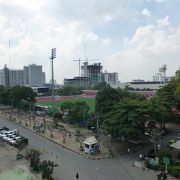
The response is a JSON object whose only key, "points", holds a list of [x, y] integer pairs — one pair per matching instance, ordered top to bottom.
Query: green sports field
{"points": [[89, 101]]}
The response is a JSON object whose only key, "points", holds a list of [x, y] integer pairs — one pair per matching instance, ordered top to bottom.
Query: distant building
{"points": [[92, 72], [31, 75], [91, 75], [4, 76], [34, 76], [16, 77], [109, 78], [82, 82], [145, 85]]}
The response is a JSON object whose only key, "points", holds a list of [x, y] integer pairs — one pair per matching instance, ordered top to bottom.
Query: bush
{"points": [[164, 153], [19, 156], [175, 171]]}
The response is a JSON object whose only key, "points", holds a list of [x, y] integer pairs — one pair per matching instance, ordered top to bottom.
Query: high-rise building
{"points": [[92, 72], [33, 75], [4, 76], [16, 77], [109, 78]]}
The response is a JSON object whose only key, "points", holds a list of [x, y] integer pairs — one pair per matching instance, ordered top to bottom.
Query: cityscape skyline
{"points": [[131, 38]]}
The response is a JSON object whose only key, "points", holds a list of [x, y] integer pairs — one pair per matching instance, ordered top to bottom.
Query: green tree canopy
{"points": [[127, 118]]}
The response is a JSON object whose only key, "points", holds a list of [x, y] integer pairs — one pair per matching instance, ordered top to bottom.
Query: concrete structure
{"points": [[92, 72], [33, 75], [92, 75], [4, 76], [16, 77], [109, 78], [78, 82], [144, 85], [91, 145]]}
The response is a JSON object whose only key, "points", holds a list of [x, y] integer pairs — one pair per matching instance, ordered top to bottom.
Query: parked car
{"points": [[10, 137]]}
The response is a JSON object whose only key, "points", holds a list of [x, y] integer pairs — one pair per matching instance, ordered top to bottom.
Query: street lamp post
{"points": [[52, 57]]}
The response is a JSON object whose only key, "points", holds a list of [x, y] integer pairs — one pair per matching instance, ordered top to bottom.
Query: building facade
{"points": [[31, 75], [4, 76], [34, 76], [16, 77], [109, 78]]}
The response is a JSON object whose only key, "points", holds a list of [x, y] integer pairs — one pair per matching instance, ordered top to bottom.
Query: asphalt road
{"points": [[70, 162]]}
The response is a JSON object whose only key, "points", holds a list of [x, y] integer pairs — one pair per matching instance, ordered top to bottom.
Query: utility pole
{"points": [[52, 57]]}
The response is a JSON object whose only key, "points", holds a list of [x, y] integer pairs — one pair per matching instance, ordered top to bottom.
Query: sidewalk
{"points": [[67, 136]]}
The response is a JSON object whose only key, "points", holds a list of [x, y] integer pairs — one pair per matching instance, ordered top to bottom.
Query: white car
{"points": [[6, 135], [10, 137], [12, 141]]}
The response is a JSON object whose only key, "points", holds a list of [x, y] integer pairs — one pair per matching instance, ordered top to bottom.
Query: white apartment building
{"points": [[31, 75], [34, 76], [16, 77]]}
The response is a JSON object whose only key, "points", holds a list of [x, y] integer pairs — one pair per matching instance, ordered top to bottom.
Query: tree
{"points": [[99, 86], [19, 93], [5, 95], [105, 99], [66, 106], [78, 111], [158, 112], [57, 117], [128, 118], [34, 156], [47, 168]]}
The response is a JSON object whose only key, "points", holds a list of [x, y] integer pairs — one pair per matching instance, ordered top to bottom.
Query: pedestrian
{"points": [[128, 150], [77, 175]]}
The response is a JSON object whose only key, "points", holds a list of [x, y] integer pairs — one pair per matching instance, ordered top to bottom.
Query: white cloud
{"points": [[28, 4], [146, 12], [163, 22], [35, 27], [32, 41], [149, 48]]}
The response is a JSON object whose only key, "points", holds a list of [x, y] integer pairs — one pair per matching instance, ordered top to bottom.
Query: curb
{"points": [[75, 151]]}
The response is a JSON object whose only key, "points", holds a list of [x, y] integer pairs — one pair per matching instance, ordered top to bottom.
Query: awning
{"points": [[90, 140], [176, 145]]}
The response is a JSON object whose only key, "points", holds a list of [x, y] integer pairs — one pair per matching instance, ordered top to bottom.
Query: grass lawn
{"points": [[89, 101]]}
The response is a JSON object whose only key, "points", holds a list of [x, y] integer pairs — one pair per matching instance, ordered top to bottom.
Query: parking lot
{"points": [[11, 137]]}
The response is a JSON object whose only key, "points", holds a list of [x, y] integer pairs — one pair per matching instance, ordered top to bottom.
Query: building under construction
{"points": [[90, 76]]}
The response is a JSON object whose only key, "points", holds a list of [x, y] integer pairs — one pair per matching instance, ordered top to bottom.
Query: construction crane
{"points": [[79, 60], [84, 60]]}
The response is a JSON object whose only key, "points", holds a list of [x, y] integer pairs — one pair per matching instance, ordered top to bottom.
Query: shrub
{"points": [[164, 153], [19, 156], [175, 171]]}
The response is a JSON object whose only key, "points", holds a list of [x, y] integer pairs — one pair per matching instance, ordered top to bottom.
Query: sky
{"points": [[131, 37]]}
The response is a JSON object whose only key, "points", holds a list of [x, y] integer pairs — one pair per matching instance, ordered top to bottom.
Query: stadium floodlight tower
{"points": [[52, 57], [163, 71]]}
